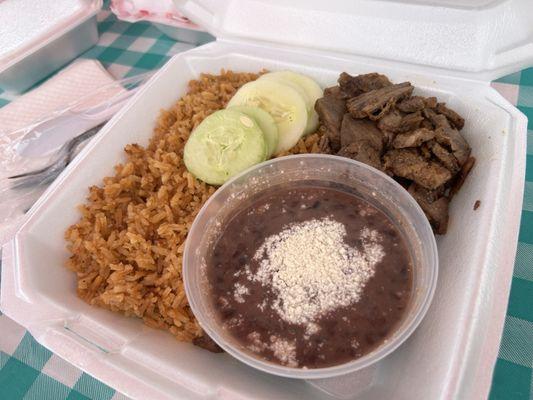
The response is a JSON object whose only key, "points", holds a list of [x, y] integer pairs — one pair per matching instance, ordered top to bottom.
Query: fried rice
{"points": [[127, 247]]}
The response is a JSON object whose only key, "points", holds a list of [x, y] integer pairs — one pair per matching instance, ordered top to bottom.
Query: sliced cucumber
{"points": [[311, 89], [282, 102], [265, 122], [224, 144]]}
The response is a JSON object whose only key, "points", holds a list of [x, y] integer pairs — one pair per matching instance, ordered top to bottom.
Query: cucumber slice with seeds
{"points": [[311, 89], [282, 102], [265, 122], [225, 143]]}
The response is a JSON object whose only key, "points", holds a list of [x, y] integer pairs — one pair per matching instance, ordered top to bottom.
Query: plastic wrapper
{"points": [[164, 15], [32, 157]]}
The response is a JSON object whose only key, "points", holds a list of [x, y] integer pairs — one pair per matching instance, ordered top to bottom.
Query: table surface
{"points": [[29, 371]]}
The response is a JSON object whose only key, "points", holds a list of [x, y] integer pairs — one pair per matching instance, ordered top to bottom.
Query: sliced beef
{"points": [[352, 86], [334, 91], [431, 102], [376, 103], [416, 103], [412, 104], [331, 110], [437, 120], [456, 120], [411, 121], [391, 122], [397, 122], [426, 124], [360, 130], [333, 137], [388, 137], [413, 139], [455, 142], [323, 145], [425, 150], [363, 152], [445, 157], [410, 164], [460, 178], [405, 183], [431, 195], [434, 205], [438, 215], [205, 342]]}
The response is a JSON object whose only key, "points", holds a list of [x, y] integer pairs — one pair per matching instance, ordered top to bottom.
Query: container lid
{"points": [[27, 25], [481, 38]]}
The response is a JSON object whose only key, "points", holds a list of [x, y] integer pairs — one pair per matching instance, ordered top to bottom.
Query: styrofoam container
{"points": [[187, 35], [45, 40], [453, 351]]}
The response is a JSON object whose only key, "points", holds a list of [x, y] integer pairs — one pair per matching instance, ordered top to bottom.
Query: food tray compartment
{"points": [[22, 68], [452, 352]]}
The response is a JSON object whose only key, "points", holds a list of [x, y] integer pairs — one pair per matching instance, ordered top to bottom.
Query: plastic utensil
{"points": [[48, 135], [32, 157]]}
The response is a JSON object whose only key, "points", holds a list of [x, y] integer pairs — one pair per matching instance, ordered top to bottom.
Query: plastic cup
{"points": [[313, 170]]}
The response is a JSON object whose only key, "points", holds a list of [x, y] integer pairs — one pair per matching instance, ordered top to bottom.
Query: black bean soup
{"points": [[310, 277]]}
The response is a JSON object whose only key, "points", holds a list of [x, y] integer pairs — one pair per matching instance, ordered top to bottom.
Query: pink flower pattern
{"points": [[161, 11]]}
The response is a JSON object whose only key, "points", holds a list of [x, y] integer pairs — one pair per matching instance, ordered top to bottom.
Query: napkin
{"points": [[79, 79]]}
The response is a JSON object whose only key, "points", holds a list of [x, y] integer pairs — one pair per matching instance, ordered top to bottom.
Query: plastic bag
{"points": [[32, 157]]}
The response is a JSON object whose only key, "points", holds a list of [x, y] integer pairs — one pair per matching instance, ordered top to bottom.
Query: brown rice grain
{"points": [[127, 247]]}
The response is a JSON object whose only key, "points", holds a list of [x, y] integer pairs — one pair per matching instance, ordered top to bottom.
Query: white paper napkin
{"points": [[69, 85]]}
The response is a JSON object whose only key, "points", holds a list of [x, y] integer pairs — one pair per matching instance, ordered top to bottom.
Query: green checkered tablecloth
{"points": [[29, 371]]}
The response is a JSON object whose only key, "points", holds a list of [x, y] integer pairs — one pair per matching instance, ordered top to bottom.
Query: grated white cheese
{"points": [[313, 271], [240, 292], [224, 302], [262, 305], [311, 329], [283, 350]]}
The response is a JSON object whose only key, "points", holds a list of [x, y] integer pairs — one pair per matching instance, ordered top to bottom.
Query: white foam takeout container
{"points": [[62, 40], [445, 49]]}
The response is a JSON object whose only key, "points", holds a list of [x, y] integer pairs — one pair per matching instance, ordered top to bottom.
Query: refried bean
{"points": [[310, 277]]}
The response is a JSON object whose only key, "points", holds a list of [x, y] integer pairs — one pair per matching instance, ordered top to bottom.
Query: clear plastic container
{"points": [[322, 171]]}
